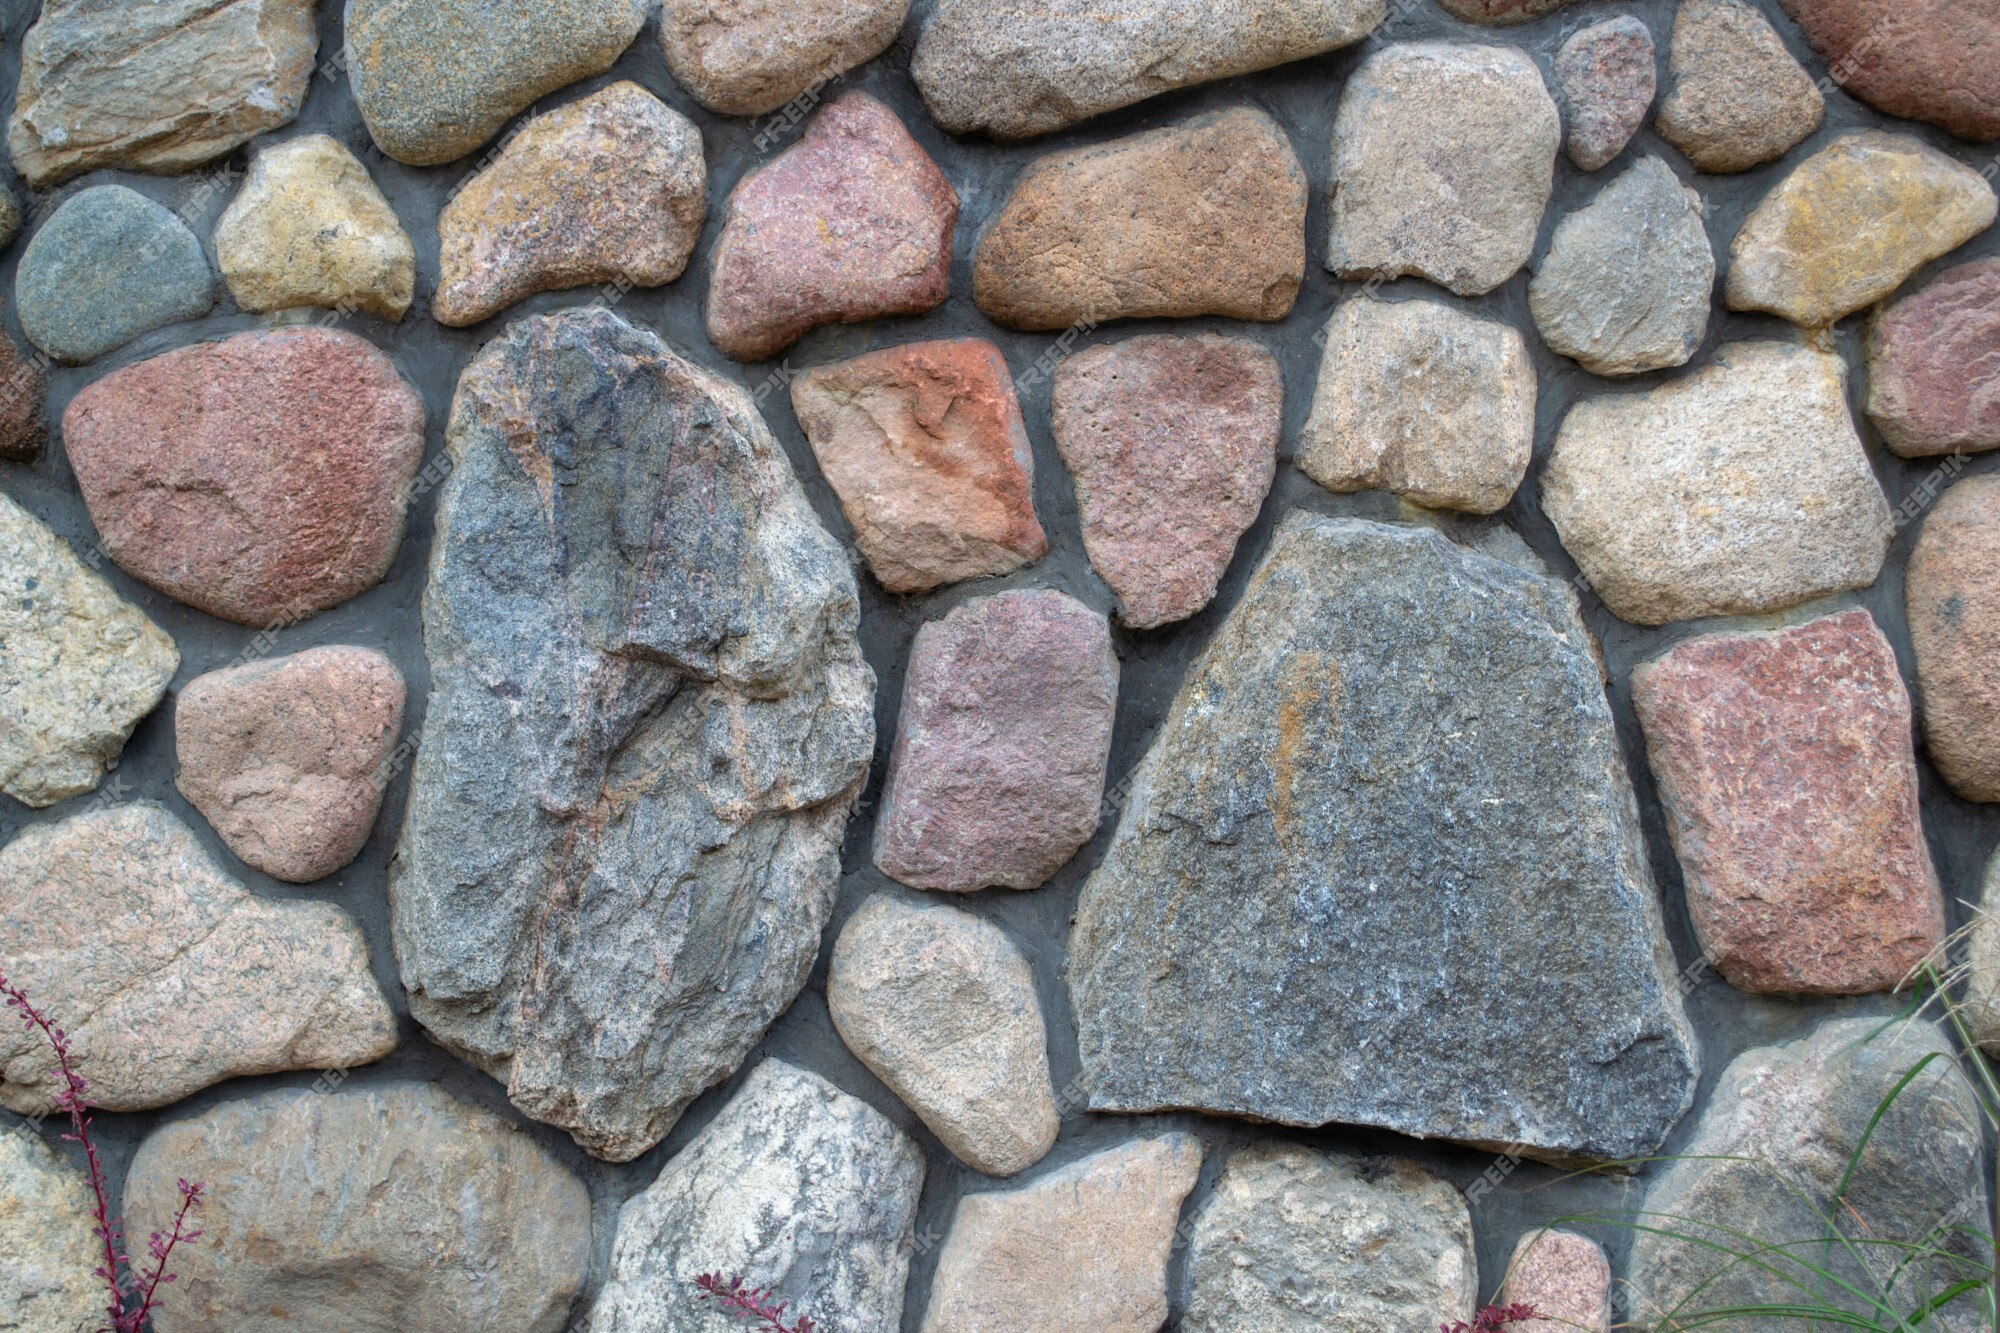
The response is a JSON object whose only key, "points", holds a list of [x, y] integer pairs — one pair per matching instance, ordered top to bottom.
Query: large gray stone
{"points": [[109, 266], [649, 718], [1393, 770], [46, 1249]]}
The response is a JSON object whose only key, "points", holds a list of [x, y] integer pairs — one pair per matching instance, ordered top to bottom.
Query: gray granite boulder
{"points": [[109, 266], [46, 1249]]}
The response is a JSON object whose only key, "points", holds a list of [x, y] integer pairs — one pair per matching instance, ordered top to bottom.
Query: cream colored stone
{"points": [[47, 1253]]}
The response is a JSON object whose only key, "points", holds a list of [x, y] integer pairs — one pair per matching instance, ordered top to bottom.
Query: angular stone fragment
{"points": [[1500, 13], [747, 57], [1938, 62], [1018, 68], [1607, 79], [435, 80], [159, 87], [1738, 98], [1443, 159], [610, 188], [1202, 218], [853, 222], [1851, 223], [310, 228], [109, 266], [1625, 285], [1934, 365], [24, 392], [1420, 398], [1172, 443], [925, 446], [261, 478], [1739, 489], [1952, 587], [79, 665], [648, 720], [286, 758], [1785, 765], [998, 768], [1280, 849], [168, 975], [1982, 980], [941, 1006], [1771, 1154], [795, 1187], [391, 1206], [1294, 1239], [1081, 1250], [47, 1252], [1565, 1278]]}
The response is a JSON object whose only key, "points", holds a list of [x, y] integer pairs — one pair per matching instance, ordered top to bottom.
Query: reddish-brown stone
{"points": [[1934, 60], [853, 222], [1934, 365], [24, 391], [925, 447], [261, 478], [1953, 589], [1785, 764], [1565, 1277]]}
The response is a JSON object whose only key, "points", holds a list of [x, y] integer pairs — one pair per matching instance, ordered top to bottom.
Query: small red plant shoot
{"points": [[753, 1303], [1492, 1319]]}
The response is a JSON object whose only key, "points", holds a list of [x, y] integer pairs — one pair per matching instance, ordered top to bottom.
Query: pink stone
{"points": [[1934, 60], [1608, 75], [1934, 365], [1953, 590], [1565, 1277]]}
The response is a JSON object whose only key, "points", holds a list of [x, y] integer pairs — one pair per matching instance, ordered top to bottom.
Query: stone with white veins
{"points": [[46, 1249]]}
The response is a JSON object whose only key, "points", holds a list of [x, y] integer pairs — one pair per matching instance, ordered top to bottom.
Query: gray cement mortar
{"points": [[1303, 98]]}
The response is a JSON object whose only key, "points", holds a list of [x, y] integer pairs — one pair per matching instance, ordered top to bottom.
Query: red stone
{"points": [[1934, 60], [1934, 365], [24, 391], [1953, 591]]}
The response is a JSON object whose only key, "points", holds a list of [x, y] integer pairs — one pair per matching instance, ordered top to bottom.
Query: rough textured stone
{"points": [[1501, 12], [747, 57], [1937, 61], [1017, 68], [1606, 74], [435, 80], [160, 87], [1738, 98], [1443, 159], [610, 188], [10, 215], [1202, 218], [853, 222], [1851, 223], [310, 228], [109, 266], [1625, 285], [1934, 365], [24, 392], [1420, 398], [1172, 443], [925, 446], [284, 489], [1738, 489], [1952, 586], [79, 665], [649, 718], [285, 758], [1785, 765], [998, 768], [1280, 849], [167, 974], [1982, 981], [941, 1006], [1770, 1154], [796, 1187], [369, 1209], [1294, 1241], [1081, 1250], [47, 1253], [1564, 1277]]}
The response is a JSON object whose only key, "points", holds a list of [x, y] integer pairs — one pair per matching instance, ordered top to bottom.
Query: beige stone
{"points": [[747, 57], [1738, 98], [1951, 592], [1982, 981], [47, 1253]]}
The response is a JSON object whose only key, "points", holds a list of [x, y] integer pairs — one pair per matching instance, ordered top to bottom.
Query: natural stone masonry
{"points": [[1501, 13], [748, 57], [1936, 61], [1018, 68], [1607, 79], [436, 80], [158, 87], [1738, 98], [1443, 159], [608, 189], [10, 214], [1202, 218], [853, 222], [1851, 223], [310, 228], [109, 266], [1934, 365], [24, 391], [1420, 398], [1172, 444], [925, 447], [261, 478], [1738, 489], [1952, 587], [79, 665], [648, 720], [287, 758], [1785, 766], [1280, 847], [167, 974], [1982, 982], [941, 1006], [1771, 1153], [796, 1187], [380, 1207], [1294, 1239], [1081, 1250], [47, 1253], [1563, 1276]]}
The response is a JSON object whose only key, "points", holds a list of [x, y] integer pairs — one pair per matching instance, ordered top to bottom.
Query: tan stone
{"points": [[747, 57], [1738, 97], [1952, 592], [47, 1254]]}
